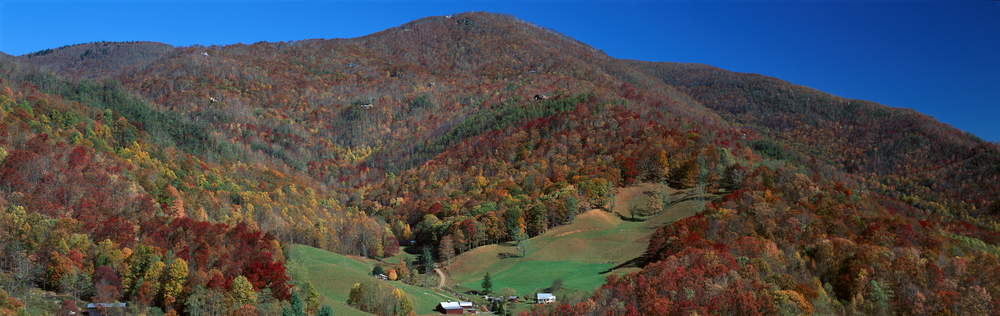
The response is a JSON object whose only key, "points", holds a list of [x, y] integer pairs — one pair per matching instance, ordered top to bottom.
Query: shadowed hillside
{"points": [[97, 60]]}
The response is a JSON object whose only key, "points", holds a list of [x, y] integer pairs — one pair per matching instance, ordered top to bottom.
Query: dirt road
{"points": [[440, 277]]}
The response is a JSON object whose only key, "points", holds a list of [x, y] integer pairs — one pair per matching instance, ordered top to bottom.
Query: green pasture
{"points": [[581, 253], [333, 275], [536, 275]]}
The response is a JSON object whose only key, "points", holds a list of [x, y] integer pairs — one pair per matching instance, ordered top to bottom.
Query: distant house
{"points": [[205, 54], [541, 97], [367, 105], [382, 277], [545, 298], [468, 307], [452, 308], [106, 309]]}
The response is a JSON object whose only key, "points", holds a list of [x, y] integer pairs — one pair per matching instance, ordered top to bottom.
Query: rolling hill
{"points": [[467, 133]]}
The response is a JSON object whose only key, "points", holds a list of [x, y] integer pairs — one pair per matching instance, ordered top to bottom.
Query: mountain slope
{"points": [[97, 60], [481, 129], [931, 165]]}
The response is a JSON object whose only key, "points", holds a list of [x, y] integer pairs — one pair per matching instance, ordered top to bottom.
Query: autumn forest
{"points": [[176, 179]]}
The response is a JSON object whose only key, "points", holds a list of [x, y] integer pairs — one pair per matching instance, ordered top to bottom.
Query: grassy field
{"points": [[582, 253], [333, 275], [535, 275]]}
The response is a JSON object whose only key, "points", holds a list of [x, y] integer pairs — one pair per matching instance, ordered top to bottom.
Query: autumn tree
{"points": [[446, 250], [173, 279], [107, 284], [242, 292], [312, 299], [68, 307]]}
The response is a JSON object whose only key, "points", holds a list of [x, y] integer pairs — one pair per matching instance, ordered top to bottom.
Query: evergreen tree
{"points": [[427, 259], [487, 284], [295, 306], [500, 309], [325, 311]]}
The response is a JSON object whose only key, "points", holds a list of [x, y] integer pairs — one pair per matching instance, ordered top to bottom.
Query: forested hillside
{"points": [[99, 59], [180, 174]]}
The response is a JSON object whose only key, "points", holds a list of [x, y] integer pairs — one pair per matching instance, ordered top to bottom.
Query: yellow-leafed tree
{"points": [[173, 280], [242, 292]]}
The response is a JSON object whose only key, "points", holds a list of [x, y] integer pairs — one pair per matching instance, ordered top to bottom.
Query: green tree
{"points": [[571, 208], [538, 219], [427, 260], [378, 270], [487, 284], [195, 303], [405, 305], [294, 307], [497, 307], [325, 311]]}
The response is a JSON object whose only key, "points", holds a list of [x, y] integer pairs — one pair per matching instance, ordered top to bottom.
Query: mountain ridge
{"points": [[481, 129]]}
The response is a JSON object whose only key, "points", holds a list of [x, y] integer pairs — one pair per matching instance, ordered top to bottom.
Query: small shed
{"points": [[541, 97], [545, 298], [468, 307], [106, 309]]}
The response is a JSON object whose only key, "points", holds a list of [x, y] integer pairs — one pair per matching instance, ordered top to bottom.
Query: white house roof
{"points": [[545, 296], [455, 305]]}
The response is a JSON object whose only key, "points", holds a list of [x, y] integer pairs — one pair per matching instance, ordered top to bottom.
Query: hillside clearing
{"points": [[582, 253], [333, 275]]}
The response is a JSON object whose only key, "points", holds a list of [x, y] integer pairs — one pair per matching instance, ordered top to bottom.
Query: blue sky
{"points": [[940, 58]]}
